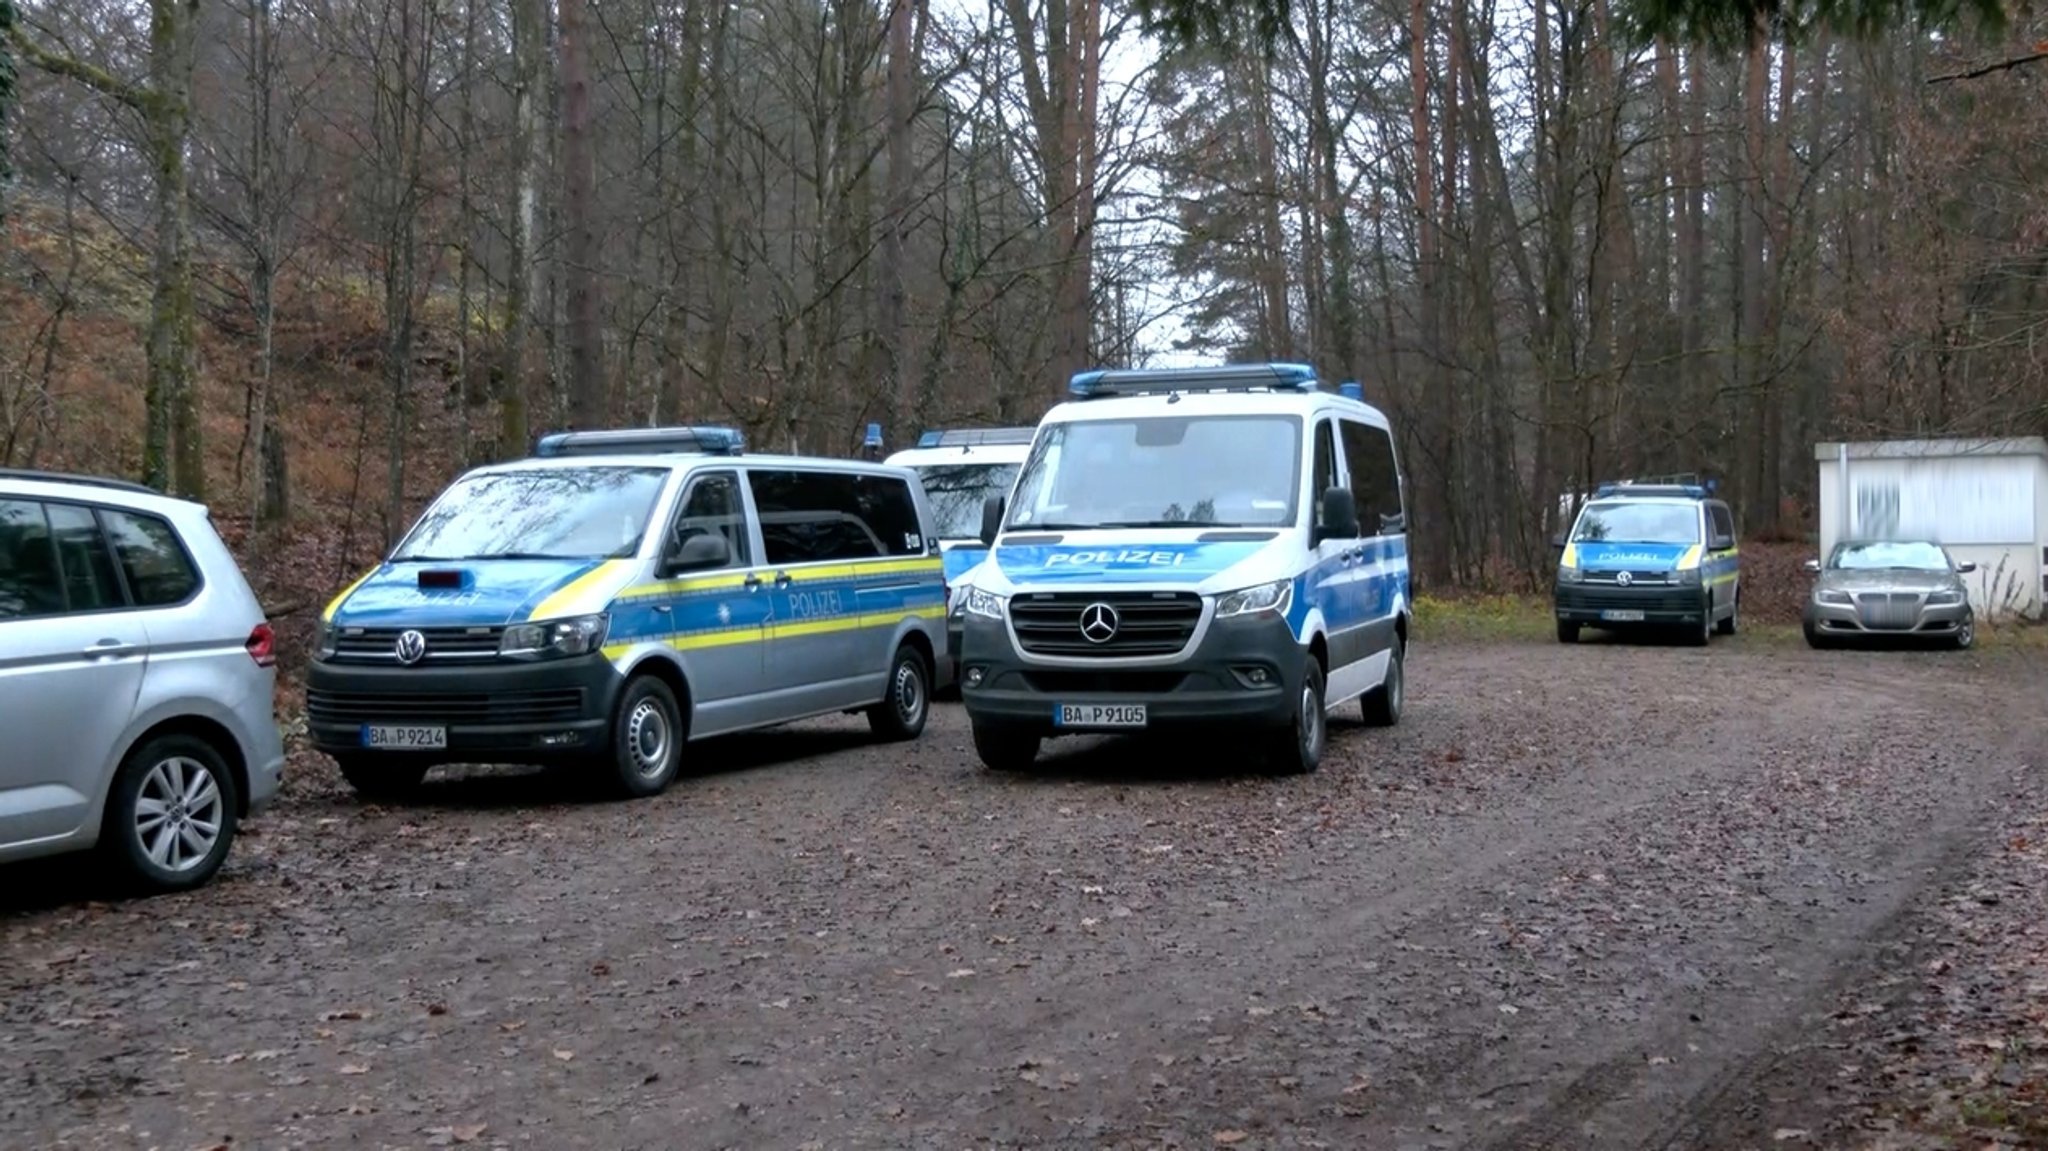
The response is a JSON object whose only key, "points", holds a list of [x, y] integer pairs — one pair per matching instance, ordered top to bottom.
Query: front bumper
{"points": [[1595, 604], [1910, 617], [1241, 672], [501, 712]]}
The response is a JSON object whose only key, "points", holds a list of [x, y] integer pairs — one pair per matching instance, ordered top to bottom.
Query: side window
{"points": [[1325, 469], [1375, 482], [713, 505], [890, 512], [818, 517], [1724, 521], [84, 562], [158, 571], [30, 581]]}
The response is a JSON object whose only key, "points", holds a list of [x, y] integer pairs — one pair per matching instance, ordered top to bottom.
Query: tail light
{"points": [[262, 645]]}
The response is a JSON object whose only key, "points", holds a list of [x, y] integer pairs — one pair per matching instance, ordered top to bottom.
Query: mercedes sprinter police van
{"points": [[1221, 546], [1650, 555], [623, 593]]}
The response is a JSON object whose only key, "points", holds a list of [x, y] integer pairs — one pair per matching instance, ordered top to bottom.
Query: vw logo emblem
{"points": [[1623, 578], [1098, 623], [412, 647]]}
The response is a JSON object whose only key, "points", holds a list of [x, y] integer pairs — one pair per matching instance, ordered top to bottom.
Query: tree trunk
{"points": [[1752, 218], [522, 270], [893, 310], [589, 404]]}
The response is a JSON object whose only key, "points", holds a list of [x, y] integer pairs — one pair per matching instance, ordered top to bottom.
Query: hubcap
{"points": [[1968, 633], [1394, 682], [909, 692], [1311, 722], [647, 737], [178, 814]]}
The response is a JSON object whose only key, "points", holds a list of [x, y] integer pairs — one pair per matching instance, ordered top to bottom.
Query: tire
{"points": [[1727, 626], [1567, 631], [1704, 634], [1966, 635], [1814, 639], [1382, 705], [901, 715], [647, 739], [1005, 747], [1297, 748], [379, 779], [171, 815]]}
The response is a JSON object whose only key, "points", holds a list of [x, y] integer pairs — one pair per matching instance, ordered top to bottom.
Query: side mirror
{"points": [[1340, 516], [991, 520], [1394, 525], [1557, 542], [1721, 543], [698, 553], [1813, 565], [1965, 568]]}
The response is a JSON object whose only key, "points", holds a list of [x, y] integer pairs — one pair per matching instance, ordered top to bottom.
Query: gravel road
{"points": [[1582, 897]]}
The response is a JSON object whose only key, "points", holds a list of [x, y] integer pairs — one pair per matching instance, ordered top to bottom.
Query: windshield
{"points": [[1156, 471], [957, 491], [553, 513], [1638, 522], [1913, 555]]}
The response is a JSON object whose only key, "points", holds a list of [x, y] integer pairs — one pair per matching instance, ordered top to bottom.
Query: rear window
{"points": [[816, 517]]}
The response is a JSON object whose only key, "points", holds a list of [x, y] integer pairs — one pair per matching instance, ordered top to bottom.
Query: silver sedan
{"points": [[1903, 589]]}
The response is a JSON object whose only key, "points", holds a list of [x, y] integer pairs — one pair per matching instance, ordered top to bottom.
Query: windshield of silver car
{"points": [[1162, 471], [1638, 522], [1909, 555]]}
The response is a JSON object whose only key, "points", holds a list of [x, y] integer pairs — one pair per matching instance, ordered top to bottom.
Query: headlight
{"points": [[1569, 573], [1688, 576], [1275, 597], [1840, 598], [1944, 599], [975, 601], [574, 635], [323, 640]]}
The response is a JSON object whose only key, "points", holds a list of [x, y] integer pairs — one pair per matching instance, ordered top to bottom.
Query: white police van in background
{"points": [[961, 469], [1222, 546]]}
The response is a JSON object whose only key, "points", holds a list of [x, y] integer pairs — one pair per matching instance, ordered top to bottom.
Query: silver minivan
{"points": [[623, 593], [137, 675]]}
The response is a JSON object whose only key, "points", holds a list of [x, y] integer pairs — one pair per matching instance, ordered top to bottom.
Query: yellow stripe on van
{"points": [[1689, 560], [918, 565], [575, 589], [334, 604], [793, 628]]}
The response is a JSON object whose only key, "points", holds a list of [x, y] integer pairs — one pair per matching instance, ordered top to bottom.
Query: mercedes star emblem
{"points": [[1623, 578], [1098, 623], [412, 647]]}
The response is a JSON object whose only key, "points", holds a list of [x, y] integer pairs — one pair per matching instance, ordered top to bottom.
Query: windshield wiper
{"points": [[482, 556]]}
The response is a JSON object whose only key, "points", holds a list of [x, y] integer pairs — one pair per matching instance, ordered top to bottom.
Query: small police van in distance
{"points": [[960, 469], [1222, 546], [1643, 555], [623, 593]]}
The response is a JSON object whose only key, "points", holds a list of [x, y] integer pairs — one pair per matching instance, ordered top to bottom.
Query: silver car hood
{"points": [[1886, 579]]}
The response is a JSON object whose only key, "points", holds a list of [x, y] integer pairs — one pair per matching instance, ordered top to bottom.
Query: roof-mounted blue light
{"points": [[1103, 382], [1351, 390], [874, 437], [975, 437], [706, 441], [1627, 488]]}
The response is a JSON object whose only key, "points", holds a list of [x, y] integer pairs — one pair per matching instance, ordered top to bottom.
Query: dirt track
{"points": [[1553, 908]]}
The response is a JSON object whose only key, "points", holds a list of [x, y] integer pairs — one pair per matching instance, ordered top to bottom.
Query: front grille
{"points": [[1635, 577], [1604, 599], [1888, 611], [1147, 623], [444, 644], [1104, 683], [551, 705]]}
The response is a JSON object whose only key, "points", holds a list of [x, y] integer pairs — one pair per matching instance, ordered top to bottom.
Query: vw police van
{"points": [[961, 468], [1222, 546], [1650, 555], [626, 592]]}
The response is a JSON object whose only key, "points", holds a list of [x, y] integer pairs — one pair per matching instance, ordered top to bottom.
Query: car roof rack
{"points": [[1276, 377], [975, 437], [701, 441], [42, 477]]}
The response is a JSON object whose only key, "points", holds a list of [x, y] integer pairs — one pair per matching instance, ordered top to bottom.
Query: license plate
{"points": [[1619, 615], [1099, 715], [395, 738]]}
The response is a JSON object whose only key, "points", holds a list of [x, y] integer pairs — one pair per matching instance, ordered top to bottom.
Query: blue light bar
{"points": [[1104, 382], [1351, 390], [874, 437], [975, 437], [706, 441], [1652, 491]]}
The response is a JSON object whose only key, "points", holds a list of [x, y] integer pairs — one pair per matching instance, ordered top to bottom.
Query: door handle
{"points": [[782, 579], [751, 583], [108, 649]]}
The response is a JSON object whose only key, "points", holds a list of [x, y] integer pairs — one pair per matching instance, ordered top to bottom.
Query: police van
{"points": [[960, 469], [1220, 546], [1650, 555], [625, 592]]}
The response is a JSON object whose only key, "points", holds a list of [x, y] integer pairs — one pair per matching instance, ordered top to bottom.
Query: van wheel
{"points": [[1727, 626], [1567, 631], [1702, 635], [1382, 705], [902, 713], [647, 739], [1005, 747], [1297, 748], [380, 779], [171, 814]]}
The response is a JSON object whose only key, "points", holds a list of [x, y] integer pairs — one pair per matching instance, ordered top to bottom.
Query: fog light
{"points": [[1257, 675], [975, 676], [560, 739]]}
